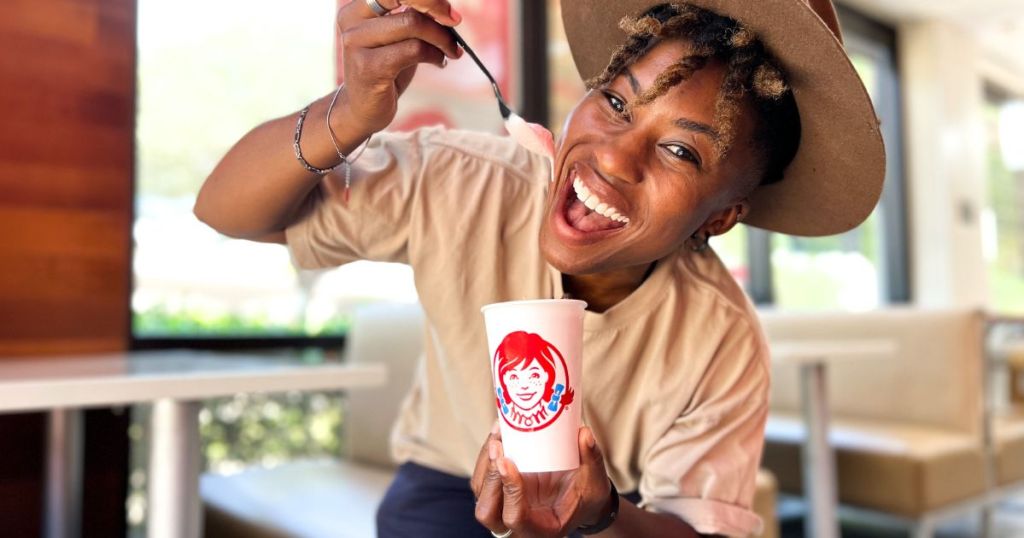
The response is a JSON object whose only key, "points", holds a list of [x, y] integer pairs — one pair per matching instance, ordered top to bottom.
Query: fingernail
{"points": [[454, 14], [444, 62], [495, 429], [590, 439], [492, 450], [502, 467]]}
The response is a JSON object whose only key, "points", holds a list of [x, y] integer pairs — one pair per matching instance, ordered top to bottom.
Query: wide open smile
{"points": [[590, 209]]}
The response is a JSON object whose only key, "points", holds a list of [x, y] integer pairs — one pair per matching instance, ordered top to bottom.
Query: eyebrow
{"points": [[632, 81], [684, 123], [698, 127]]}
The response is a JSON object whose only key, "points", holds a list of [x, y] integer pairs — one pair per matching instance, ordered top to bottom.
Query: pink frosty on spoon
{"points": [[531, 136]]}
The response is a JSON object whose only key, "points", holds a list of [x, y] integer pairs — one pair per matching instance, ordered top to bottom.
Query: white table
{"points": [[175, 382], [818, 461]]}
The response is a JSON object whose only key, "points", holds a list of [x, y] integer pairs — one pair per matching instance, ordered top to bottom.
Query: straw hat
{"points": [[836, 177]]}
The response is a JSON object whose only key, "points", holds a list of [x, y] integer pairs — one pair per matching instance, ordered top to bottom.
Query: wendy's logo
{"points": [[532, 381]]}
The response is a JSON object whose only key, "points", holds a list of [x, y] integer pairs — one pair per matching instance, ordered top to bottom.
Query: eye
{"points": [[616, 104], [681, 152], [534, 376], [514, 377]]}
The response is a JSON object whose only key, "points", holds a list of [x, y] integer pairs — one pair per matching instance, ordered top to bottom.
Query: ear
{"points": [[723, 220]]}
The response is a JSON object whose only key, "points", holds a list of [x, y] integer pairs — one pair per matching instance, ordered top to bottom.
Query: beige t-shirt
{"points": [[675, 377]]}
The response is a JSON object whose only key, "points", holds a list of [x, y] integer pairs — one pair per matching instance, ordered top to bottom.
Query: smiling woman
{"points": [[690, 127]]}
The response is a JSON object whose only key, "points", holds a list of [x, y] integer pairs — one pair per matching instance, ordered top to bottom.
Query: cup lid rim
{"points": [[528, 302]]}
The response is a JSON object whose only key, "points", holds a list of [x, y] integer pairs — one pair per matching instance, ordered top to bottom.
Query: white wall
{"points": [[945, 155]]}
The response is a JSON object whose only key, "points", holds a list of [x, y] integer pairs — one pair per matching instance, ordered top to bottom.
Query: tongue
{"points": [[587, 220]]}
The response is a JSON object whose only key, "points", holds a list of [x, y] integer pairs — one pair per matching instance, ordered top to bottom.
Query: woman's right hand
{"points": [[381, 53]]}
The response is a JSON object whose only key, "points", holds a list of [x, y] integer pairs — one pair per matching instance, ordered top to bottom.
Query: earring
{"points": [[700, 244]]}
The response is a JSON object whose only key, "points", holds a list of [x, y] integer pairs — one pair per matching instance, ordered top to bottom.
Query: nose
{"points": [[620, 157]]}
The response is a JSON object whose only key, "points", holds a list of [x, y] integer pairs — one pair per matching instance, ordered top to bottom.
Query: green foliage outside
{"points": [[1005, 198], [160, 321], [258, 429]]}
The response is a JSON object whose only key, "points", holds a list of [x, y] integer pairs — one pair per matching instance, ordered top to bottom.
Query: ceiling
{"points": [[963, 10], [997, 24]]}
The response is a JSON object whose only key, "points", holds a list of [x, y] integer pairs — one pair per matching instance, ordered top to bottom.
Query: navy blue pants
{"points": [[424, 503]]}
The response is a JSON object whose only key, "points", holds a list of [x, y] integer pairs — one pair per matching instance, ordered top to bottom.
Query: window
{"points": [[199, 92], [1002, 226]]}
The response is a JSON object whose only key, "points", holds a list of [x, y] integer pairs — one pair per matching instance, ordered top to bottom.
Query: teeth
{"points": [[594, 203]]}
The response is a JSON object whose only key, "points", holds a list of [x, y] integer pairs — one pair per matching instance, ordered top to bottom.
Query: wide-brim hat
{"points": [[835, 179]]}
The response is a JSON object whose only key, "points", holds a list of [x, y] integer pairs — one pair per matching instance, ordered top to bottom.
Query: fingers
{"points": [[439, 10], [356, 11], [400, 27], [409, 53], [590, 453], [482, 461], [594, 486], [490, 501], [514, 507]]}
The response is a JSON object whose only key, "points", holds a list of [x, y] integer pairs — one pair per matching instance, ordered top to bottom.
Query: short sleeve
{"points": [[374, 224], [704, 468]]}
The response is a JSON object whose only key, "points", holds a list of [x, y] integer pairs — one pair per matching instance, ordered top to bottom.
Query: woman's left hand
{"points": [[540, 504]]}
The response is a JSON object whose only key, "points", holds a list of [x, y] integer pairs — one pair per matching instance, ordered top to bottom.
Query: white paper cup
{"points": [[536, 350]]}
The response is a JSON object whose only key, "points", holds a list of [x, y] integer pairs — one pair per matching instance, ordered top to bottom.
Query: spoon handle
{"points": [[502, 107]]}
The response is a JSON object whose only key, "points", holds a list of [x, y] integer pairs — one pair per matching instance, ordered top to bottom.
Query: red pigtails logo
{"points": [[532, 381]]}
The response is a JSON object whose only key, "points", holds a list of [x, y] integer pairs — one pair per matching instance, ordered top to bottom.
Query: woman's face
{"points": [[655, 175], [525, 383]]}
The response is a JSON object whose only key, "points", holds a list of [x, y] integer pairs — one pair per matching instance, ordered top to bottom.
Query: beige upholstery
{"points": [[392, 335], [1015, 363], [935, 378], [907, 431], [1009, 445], [892, 467], [765, 498]]}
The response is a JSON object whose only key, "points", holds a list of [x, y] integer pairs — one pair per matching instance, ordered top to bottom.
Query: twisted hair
{"points": [[750, 71]]}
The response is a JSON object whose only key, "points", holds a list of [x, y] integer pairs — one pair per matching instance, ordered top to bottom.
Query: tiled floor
{"points": [[1008, 523]]}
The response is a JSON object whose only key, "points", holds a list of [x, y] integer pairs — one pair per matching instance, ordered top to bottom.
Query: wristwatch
{"points": [[608, 518]]}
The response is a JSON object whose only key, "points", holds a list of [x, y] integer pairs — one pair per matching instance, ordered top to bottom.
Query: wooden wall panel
{"points": [[67, 71], [67, 94]]}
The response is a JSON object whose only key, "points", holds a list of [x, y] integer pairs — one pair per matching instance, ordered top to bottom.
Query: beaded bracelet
{"points": [[298, 148]]}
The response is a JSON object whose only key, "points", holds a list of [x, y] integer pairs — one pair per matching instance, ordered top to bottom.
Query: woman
{"points": [[703, 117]]}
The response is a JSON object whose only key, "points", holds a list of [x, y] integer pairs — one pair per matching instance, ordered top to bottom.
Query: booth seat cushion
{"points": [[1009, 444], [898, 468], [312, 498], [765, 498]]}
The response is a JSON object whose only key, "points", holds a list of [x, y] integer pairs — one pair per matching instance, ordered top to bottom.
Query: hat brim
{"points": [[835, 179]]}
